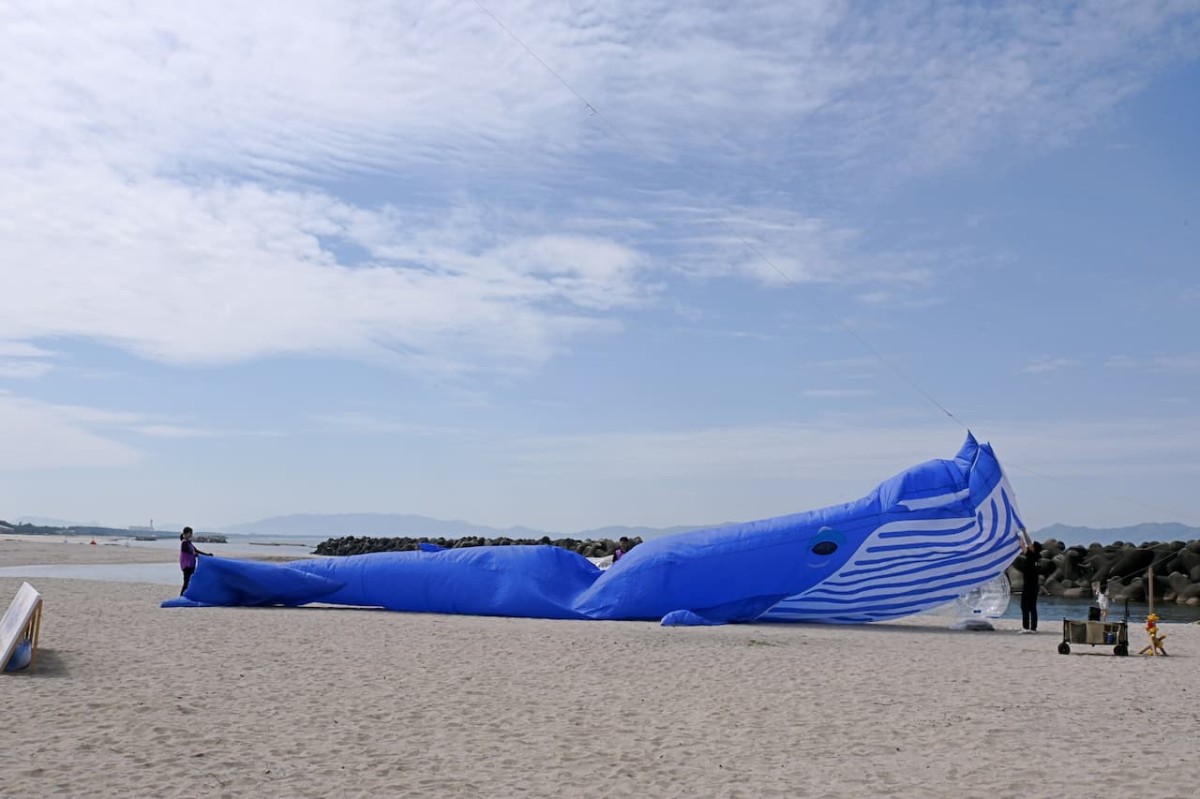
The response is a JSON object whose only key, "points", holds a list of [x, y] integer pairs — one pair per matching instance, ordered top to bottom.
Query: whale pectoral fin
{"points": [[182, 602], [739, 611], [686, 618]]}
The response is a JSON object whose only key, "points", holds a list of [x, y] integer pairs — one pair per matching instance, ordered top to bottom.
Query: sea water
{"points": [[157, 573], [166, 573], [1052, 610]]}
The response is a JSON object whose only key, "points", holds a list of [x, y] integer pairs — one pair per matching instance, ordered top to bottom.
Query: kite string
{"points": [[537, 58], [750, 246]]}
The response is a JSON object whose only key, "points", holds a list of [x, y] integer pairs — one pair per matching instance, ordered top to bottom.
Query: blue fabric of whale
{"points": [[919, 540]]}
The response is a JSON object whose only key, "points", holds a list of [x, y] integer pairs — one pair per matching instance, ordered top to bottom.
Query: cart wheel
{"points": [[1064, 648], [1120, 650]]}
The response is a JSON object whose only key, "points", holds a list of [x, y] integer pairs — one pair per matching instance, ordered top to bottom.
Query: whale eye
{"points": [[824, 543], [824, 547]]}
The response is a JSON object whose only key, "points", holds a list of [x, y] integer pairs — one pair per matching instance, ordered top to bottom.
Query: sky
{"points": [[576, 264]]}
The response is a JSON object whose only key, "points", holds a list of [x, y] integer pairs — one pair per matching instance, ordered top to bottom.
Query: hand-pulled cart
{"points": [[1093, 633]]}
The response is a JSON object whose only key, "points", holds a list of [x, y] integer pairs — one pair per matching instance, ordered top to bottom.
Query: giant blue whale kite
{"points": [[919, 540]]}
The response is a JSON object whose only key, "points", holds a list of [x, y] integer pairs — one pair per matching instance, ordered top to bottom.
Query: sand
{"points": [[133, 700]]}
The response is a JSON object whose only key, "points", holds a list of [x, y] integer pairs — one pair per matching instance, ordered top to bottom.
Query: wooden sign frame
{"points": [[22, 622]]}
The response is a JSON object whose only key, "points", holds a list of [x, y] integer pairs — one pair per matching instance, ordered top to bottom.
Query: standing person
{"points": [[622, 548], [187, 557], [1029, 585], [1102, 599]]}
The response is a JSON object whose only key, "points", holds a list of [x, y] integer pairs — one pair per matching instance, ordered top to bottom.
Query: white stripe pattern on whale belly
{"points": [[912, 565]]}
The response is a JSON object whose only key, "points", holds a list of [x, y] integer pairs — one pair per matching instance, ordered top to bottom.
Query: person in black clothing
{"points": [[1029, 585]]}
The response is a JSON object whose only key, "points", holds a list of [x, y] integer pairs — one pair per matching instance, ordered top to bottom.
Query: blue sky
{"points": [[568, 265]]}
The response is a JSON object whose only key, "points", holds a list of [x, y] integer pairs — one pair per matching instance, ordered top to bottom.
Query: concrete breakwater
{"points": [[361, 545], [1172, 568]]}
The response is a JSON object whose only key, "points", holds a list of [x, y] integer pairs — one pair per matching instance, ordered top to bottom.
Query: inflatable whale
{"points": [[919, 540]]}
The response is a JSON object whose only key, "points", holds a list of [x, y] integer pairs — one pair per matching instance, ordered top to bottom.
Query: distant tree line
{"points": [[25, 528]]}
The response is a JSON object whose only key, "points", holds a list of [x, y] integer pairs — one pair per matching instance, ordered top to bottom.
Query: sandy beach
{"points": [[133, 700]]}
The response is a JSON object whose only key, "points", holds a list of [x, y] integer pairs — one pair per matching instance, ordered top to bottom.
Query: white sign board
{"points": [[16, 619]]}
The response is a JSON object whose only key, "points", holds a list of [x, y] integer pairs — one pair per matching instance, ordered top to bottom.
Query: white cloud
{"points": [[957, 79], [292, 86], [302, 86], [167, 186], [775, 247], [229, 272], [19, 349], [19, 360], [856, 364], [1049, 364], [1179, 364], [1183, 364], [19, 370], [839, 393], [360, 422], [171, 431], [43, 436], [1133, 447], [765, 451], [754, 472], [713, 473], [738, 473]]}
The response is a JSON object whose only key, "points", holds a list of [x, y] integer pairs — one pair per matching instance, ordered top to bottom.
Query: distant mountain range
{"points": [[334, 525], [397, 525], [404, 525], [1138, 533]]}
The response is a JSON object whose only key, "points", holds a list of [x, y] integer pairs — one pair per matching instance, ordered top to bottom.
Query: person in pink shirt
{"points": [[187, 557]]}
